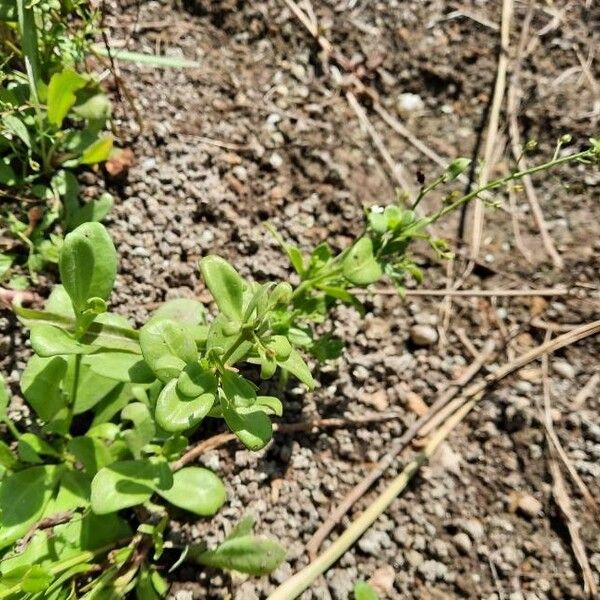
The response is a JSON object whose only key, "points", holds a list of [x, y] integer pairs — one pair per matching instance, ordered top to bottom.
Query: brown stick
{"points": [[512, 102], [492, 130], [558, 291], [472, 391], [314, 424], [554, 442], [361, 488], [564, 503]]}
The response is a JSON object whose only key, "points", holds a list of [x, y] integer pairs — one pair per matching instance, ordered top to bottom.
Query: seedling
{"points": [[87, 495]]}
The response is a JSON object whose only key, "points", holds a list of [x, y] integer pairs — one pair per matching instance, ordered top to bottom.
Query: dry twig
{"points": [[513, 101], [313, 425], [563, 501]]}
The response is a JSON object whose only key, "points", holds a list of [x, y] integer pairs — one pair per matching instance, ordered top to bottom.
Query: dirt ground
{"points": [[260, 132]]}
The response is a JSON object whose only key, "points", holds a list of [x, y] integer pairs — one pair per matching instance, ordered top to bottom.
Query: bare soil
{"points": [[261, 132]]}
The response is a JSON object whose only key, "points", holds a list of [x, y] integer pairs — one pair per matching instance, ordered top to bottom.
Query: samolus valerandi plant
{"points": [[87, 492]]}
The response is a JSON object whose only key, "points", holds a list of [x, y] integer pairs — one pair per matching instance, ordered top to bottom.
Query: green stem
{"points": [[504, 180], [425, 190], [242, 337]]}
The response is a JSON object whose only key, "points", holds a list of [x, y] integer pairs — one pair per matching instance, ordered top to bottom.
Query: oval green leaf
{"points": [[88, 264], [360, 266], [225, 285], [176, 412], [197, 490]]}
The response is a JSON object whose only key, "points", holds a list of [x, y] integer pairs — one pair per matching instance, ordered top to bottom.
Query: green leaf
{"points": [[8, 10], [153, 60], [61, 94], [94, 108], [17, 128], [97, 151], [457, 166], [8, 177], [95, 210], [296, 258], [88, 264], [360, 266], [225, 285], [186, 311], [105, 332], [47, 340], [279, 346], [167, 347], [327, 347], [120, 366], [296, 366], [40, 384], [91, 387], [238, 390], [270, 405], [176, 412], [251, 425], [143, 431], [31, 447], [91, 452], [7, 459], [128, 483], [197, 490], [23, 497], [242, 528], [246, 553], [36, 580], [363, 591]]}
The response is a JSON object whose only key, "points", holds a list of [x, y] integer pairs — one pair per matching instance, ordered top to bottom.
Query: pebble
{"points": [[409, 103], [276, 161], [423, 335], [564, 369], [377, 400], [529, 506], [473, 527], [373, 541], [463, 542], [414, 558], [432, 570]]}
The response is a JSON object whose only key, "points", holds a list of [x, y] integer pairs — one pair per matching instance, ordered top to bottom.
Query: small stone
{"points": [[409, 103], [276, 160], [423, 335], [564, 369], [377, 400], [416, 404], [529, 506], [473, 527], [373, 541], [463, 542], [414, 558], [432, 570], [383, 580]]}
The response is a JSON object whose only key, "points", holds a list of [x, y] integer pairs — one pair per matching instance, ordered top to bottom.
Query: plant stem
{"points": [[503, 180]]}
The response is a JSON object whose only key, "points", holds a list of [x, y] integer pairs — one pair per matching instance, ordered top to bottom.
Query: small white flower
{"points": [[376, 209]]}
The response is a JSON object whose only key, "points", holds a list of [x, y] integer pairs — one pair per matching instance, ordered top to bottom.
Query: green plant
{"points": [[52, 118], [116, 407], [364, 591]]}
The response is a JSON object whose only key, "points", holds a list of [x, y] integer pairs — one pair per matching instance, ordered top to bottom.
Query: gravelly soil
{"points": [[258, 133]]}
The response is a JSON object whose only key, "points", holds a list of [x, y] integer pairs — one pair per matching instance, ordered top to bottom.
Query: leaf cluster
{"points": [[53, 117]]}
